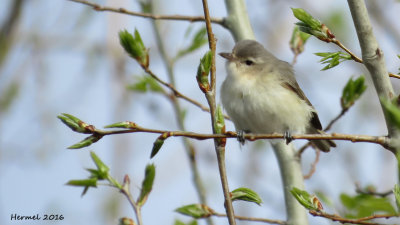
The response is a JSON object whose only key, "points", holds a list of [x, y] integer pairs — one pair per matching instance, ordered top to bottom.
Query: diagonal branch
{"points": [[98, 7], [340, 219]]}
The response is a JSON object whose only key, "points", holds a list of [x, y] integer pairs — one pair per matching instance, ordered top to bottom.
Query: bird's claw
{"points": [[240, 137], [288, 137]]}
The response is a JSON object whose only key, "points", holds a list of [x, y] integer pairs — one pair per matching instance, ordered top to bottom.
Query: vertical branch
{"points": [[238, 23], [372, 55], [210, 95], [190, 149]]}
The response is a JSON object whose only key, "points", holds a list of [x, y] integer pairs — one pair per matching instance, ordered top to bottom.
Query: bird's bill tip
{"points": [[226, 55]]}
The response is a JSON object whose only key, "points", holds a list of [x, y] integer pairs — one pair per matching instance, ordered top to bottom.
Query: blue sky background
{"points": [[66, 58]]}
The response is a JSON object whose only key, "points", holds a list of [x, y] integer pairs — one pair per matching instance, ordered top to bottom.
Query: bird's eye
{"points": [[249, 62]]}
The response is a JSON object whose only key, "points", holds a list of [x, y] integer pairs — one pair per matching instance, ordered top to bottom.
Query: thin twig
{"points": [[98, 7], [356, 58], [177, 93], [381, 140], [218, 143], [189, 147], [313, 165], [125, 190], [372, 192], [254, 219], [340, 219]]}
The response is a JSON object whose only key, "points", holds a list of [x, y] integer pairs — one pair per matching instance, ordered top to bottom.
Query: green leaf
{"points": [[146, 6], [306, 18], [310, 25], [199, 39], [298, 40], [134, 46], [332, 58], [203, 70], [146, 83], [352, 92], [8, 96], [392, 112], [219, 121], [76, 124], [125, 124], [86, 142], [157, 145], [101, 166], [91, 182], [86, 183], [147, 184], [396, 192], [246, 194], [325, 199], [306, 200], [363, 205], [196, 211], [126, 221], [178, 222]]}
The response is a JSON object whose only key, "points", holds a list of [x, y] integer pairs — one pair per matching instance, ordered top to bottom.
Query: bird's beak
{"points": [[228, 56]]}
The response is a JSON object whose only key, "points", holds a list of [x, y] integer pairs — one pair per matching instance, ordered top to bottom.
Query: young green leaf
{"points": [[310, 25], [199, 39], [298, 40], [134, 46], [332, 58], [203, 70], [146, 83], [352, 92], [9, 94], [392, 112], [219, 121], [76, 124], [125, 124], [86, 142], [158, 144], [101, 166], [91, 182], [86, 183], [147, 184], [396, 192], [246, 194], [305, 199], [362, 205], [196, 211], [126, 221], [178, 222]]}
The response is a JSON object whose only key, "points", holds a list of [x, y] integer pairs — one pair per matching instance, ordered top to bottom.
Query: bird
{"points": [[261, 95]]}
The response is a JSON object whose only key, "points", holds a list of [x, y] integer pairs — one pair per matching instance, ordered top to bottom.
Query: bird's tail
{"points": [[323, 145]]}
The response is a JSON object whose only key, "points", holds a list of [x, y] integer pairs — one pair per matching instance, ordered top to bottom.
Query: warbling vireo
{"points": [[262, 96]]}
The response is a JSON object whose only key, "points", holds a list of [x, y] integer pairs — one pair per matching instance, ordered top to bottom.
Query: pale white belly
{"points": [[263, 107]]}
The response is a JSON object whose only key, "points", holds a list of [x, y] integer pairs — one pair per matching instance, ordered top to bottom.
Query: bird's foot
{"points": [[240, 136], [288, 137]]}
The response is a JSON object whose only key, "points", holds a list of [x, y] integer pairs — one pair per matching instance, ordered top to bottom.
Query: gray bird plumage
{"points": [[261, 94]]}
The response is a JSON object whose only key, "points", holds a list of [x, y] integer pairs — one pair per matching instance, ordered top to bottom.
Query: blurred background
{"points": [[64, 57]]}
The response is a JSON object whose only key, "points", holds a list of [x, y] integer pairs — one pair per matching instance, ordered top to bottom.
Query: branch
{"points": [[98, 7], [372, 55], [356, 58], [177, 93], [130, 127], [381, 140], [218, 143], [189, 147], [313, 165], [370, 191], [254, 219], [340, 219]]}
